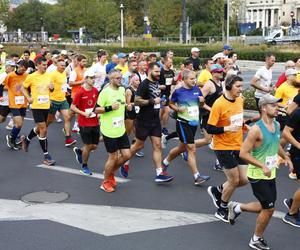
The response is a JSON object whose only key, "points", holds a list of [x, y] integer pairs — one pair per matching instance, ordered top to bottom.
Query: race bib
{"points": [[169, 81], [64, 88], [42, 99], [19, 100], [4, 101], [157, 106], [137, 109], [90, 111], [193, 111], [237, 120], [118, 122], [271, 161]]}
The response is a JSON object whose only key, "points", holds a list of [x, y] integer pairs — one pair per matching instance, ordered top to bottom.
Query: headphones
{"points": [[230, 80]]}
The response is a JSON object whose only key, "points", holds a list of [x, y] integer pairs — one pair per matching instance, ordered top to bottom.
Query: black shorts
{"points": [[256, 101], [4, 111], [18, 112], [40, 115], [130, 115], [143, 130], [186, 132], [90, 135], [112, 145], [295, 158], [229, 159], [265, 191]]}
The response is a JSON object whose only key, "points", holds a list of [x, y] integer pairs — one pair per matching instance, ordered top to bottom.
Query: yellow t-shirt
{"points": [[123, 69], [204, 77], [59, 81], [13, 83], [39, 87], [287, 92], [225, 113]]}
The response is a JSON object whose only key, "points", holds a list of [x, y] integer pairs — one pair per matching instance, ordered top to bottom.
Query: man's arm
{"points": [[254, 83]]}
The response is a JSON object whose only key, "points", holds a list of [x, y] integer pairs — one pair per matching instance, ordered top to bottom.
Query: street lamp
{"points": [[42, 29], [122, 30]]}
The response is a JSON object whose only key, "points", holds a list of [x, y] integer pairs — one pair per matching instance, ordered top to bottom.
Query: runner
{"points": [[99, 69], [205, 75], [40, 87], [58, 100], [186, 101], [83, 104], [111, 104], [148, 122], [225, 123], [260, 150]]}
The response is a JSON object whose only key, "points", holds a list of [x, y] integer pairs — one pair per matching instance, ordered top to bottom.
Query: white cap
{"points": [[195, 49], [64, 52], [132, 54], [217, 56], [10, 63], [290, 72], [89, 73]]}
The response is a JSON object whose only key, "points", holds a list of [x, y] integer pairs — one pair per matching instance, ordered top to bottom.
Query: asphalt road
{"points": [[139, 215]]}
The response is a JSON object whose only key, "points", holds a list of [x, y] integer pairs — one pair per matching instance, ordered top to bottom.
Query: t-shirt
{"points": [[196, 63], [51, 68], [123, 69], [100, 72], [76, 75], [204, 77], [265, 77], [166, 78], [281, 80], [13, 83], [39, 86], [60, 86], [287, 92], [188, 99], [297, 99], [85, 100], [149, 113], [223, 113], [293, 122], [112, 123]]}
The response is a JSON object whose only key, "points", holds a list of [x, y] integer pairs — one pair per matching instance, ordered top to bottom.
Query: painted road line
{"points": [[76, 172]]}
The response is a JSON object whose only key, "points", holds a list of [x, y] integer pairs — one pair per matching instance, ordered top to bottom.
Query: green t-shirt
{"points": [[112, 123]]}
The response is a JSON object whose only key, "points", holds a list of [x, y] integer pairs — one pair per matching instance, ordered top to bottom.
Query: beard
{"points": [[155, 77]]}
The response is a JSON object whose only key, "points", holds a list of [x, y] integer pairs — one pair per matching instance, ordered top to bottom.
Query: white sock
{"points": [[166, 162], [158, 171], [196, 175], [237, 209], [255, 237]]}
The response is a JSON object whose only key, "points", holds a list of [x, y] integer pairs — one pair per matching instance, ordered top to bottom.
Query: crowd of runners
{"points": [[124, 99]]}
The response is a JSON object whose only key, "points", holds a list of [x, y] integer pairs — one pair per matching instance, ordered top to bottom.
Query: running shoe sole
{"points": [[7, 142], [69, 144], [76, 156], [49, 163], [81, 171], [163, 181], [107, 191], [209, 191], [231, 213], [220, 217], [290, 223]]}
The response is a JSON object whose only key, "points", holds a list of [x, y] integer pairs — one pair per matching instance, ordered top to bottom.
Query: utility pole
{"points": [[228, 19], [184, 21]]}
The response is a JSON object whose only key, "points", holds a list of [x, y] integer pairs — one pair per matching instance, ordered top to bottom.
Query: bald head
{"points": [[289, 64]]}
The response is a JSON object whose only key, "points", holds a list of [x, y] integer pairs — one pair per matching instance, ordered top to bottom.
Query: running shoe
{"points": [[75, 130], [164, 141], [69, 142], [11, 143], [25, 143], [140, 153], [78, 154], [184, 155], [48, 160], [217, 166], [124, 169], [165, 169], [85, 171], [293, 176], [163, 178], [201, 179], [112, 180], [107, 187], [215, 195], [288, 203], [222, 214], [232, 215], [293, 220], [259, 244]]}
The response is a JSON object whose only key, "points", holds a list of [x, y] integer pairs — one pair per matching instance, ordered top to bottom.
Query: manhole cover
{"points": [[44, 197]]}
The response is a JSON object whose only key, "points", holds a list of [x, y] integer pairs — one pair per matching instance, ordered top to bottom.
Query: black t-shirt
{"points": [[196, 63], [166, 78], [297, 99], [150, 113], [293, 122]]}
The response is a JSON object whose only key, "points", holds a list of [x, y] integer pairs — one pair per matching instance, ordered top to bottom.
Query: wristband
{"points": [[151, 101], [108, 108]]}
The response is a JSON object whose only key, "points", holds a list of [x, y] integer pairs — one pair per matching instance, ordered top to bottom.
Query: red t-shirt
{"points": [[281, 80], [84, 100]]}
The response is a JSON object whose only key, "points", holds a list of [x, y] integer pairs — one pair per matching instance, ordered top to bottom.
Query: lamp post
{"points": [[228, 19], [42, 29], [122, 29]]}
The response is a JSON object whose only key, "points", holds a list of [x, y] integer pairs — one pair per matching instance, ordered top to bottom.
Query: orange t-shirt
{"points": [[79, 77], [14, 82], [224, 113]]}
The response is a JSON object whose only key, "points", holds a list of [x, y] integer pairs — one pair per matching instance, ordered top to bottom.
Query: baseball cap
{"points": [[1, 46], [227, 47], [195, 49], [64, 52], [132, 54], [121, 55], [217, 56], [10, 63], [216, 68], [290, 72], [89, 73], [268, 99]]}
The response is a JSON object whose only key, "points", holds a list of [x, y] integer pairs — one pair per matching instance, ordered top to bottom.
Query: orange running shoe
{"points": [[112, 180], [107, 187]]}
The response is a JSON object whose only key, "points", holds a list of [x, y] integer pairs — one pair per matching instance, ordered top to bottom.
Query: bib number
{"points": [[169, 81], [64, 88], [42, 99], [19, 100], [4, 101], [157, 106], [137, 109], [90, 111], [193, 111], [237, 120], [118, 122], [271, 162]]}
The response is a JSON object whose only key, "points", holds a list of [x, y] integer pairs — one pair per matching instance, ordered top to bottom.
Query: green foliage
{"points": [[4, 6], [249, 99]]}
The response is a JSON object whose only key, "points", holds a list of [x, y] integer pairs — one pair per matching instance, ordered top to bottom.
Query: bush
{"points": [[249, 99]]}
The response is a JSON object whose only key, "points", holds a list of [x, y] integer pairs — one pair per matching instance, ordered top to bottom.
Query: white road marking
{"points": [[76, 171], [104, 220]]}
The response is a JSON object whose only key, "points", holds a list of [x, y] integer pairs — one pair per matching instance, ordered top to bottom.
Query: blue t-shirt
{"points": [[189, 99]]}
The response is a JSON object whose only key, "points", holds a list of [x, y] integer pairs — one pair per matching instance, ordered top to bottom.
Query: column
{"points": [[251, 16], [263, 18], [272, 18], [257, 19]]}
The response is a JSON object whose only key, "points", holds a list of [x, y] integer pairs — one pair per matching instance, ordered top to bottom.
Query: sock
{"points": [[15, 132], [32, 134], [68, 137], [44, 144], [166, 162], [84, 165], [158, 171], [196, 175], [220, 188], [224, 204], [237, 209], [255, 237]]}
